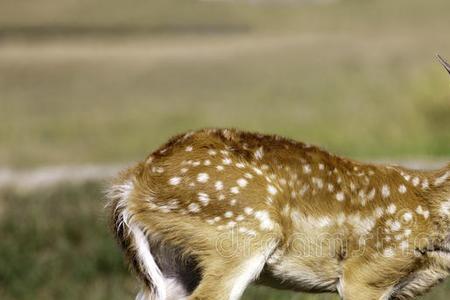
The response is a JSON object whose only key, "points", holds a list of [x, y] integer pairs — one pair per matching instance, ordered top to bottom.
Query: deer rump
{"points": [[164, 269]]}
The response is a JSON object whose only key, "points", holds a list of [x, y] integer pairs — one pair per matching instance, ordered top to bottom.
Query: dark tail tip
{"points": [[444, 63]]}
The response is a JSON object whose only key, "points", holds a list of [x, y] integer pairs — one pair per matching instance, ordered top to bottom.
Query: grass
{"points": [[359, 78], [56, 245]]}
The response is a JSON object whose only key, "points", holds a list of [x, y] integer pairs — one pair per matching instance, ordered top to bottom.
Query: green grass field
{"points": [[99, 82], [55, 244]]}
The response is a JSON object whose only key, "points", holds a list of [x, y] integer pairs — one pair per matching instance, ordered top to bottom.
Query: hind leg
{"points": [[228, 277]]}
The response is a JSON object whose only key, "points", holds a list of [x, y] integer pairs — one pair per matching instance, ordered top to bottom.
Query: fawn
{"points": [[214, 210]]}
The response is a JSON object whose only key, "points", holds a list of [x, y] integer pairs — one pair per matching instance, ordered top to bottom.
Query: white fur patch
{"points": [[202, 177], [441, 179], [174, 180], [385, 191], [264, 218], [148, 262], [249, 271]]}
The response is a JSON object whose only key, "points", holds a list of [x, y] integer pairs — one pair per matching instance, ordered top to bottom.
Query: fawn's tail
{"points": [[134, 240]]}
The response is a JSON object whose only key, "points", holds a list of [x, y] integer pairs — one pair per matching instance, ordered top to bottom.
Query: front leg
{"points": [[374, 276], [226, 277], [418, 283], [354, 289]]}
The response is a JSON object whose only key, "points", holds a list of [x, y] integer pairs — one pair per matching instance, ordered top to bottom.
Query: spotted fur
{"points": [[214, 210]]}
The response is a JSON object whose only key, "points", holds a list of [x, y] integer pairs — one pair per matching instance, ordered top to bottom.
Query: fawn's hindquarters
{"points": [[178, 255]]}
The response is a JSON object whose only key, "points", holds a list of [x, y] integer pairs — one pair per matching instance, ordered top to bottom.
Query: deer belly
{"points": [[311, 274]]}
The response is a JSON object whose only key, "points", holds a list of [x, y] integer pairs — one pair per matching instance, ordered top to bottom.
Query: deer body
{"points": [[214, 210]]}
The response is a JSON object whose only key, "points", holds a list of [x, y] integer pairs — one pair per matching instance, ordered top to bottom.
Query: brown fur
{"points": [[225, 202]]}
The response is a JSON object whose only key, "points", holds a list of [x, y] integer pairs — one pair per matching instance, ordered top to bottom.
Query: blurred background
{"points": [[87, 87]]}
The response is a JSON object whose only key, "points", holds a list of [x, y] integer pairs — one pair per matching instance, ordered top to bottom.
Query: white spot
{"points": [[188, 149], [212, 152], [225, 152], [259, 153], [226, 161], [207, 162], [196, 163], [240, 165], [321, 167], [219, 168], [306, 169], [184, 170], [257, 171], [248, 175], [202, 177], [174, 180], [440, 180], [416, 181], [242, 182], [318, 182], [425, 184], [218, 185], [330, 187], [271, 189], [304, 189], [402, 189], [234, 190], [385, 191], [340, 196], [362, 196], [221, 197], [203, 198], [233, 202], [194, 207], [445, 207], [391, 209], [248, 210], [419, 210], [379, 212], [424, 213], [228, 214], [407, 216], [240, 218], [217, 219], [264, 219], [341, 219], [324, 222], [231, 224], [361, 226], [395, 226], [247, 231], [408, 232], [404, 245], [388, 252]]}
